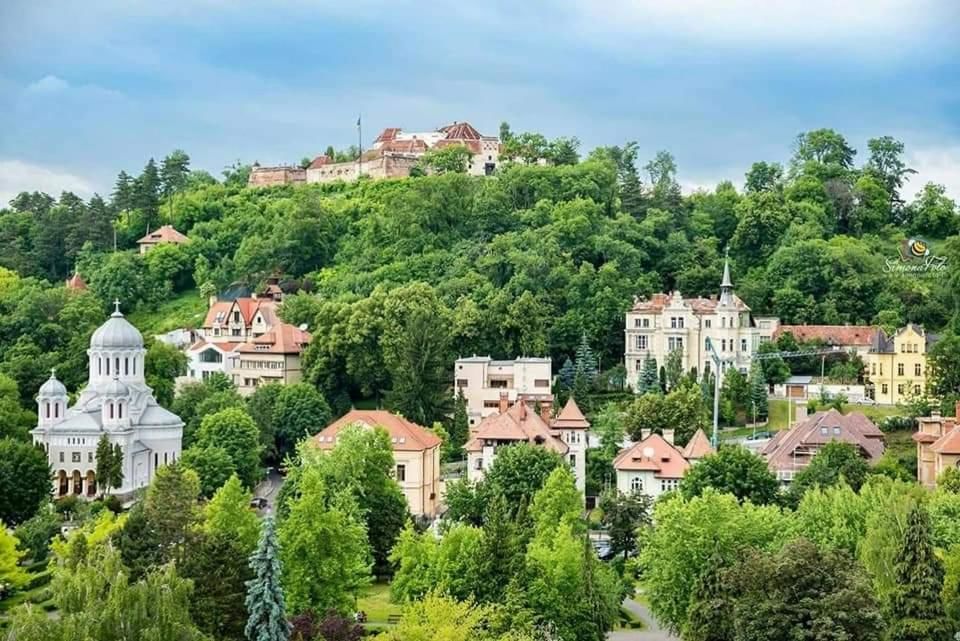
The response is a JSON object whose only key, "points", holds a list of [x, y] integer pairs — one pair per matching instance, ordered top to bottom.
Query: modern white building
{"points": [[666, 322], [482, 381], [115, 402]]}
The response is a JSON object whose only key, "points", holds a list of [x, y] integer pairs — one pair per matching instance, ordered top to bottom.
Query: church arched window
{"points": [[116, 362], [108, 365], [99, 366], [126, 366], [46, 405], [110, 408], [56, 410], [120, 410]]}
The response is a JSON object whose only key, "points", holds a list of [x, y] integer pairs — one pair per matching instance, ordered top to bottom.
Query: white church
{"points": [[117, 402]]}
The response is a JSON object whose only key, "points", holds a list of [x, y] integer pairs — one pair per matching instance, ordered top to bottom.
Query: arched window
{"points": [[116, 362], [108, 365], [134, 365], [99, 366], [126, 366], [46, 405], [110, 408], [56, 410], [120, 410], [636, 483]]}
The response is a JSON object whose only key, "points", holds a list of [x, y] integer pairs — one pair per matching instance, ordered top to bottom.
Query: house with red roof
{"points": [[160, 236], [76, 282], [274, 357], [565, 434], [938, 445], [791, 450], [416, 454], [654, 465]]}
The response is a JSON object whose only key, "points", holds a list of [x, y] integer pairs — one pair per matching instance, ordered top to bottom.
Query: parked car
{"points": [[865, 400], [759, 436], [258, 503]]}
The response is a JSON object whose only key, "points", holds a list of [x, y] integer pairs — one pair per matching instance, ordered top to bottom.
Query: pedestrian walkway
{"points": [[651, 632]]}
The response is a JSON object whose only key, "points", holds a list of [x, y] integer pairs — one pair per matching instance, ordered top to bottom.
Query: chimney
{"points": [[212, 300], [504, 402], [546, 406], [523, 408], [956, 411], [800, 412], [644, 434], [668, 435]]}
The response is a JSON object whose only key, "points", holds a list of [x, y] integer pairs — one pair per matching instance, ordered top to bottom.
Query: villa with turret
{"points": [[663, 323], [115, 402]]}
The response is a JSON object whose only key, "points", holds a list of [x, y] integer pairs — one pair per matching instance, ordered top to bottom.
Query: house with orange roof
{"points": [[165, 234], [76, 282], [238, 320], [665, 323], [849, 338], [274, 357], [565, 434], [938, 445], [697, 447], [791, 450], [416, 454], [654, 465]]}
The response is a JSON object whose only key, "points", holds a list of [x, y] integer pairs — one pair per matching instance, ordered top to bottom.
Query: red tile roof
{"points": [[460, 131], [390, 133], [320, 161], [165, 234], [76, 282], [658, 302], [247, 306], [845, 335], [282, 339], [225, 346], [570, 418], [519, 423], [819, 429], [404, 435], [949, 443], [697, 447], [653, 454]]}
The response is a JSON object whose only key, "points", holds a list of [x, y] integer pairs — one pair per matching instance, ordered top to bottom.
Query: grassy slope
{"points": [[185, 309], [778, 417], [376, 603]]}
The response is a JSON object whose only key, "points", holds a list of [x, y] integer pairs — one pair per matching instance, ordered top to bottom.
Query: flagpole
{"points": [[359, 145]]}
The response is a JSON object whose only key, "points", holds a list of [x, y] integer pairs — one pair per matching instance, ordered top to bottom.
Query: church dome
{"points": [[116, 333], [53, 387], [115, 388]]}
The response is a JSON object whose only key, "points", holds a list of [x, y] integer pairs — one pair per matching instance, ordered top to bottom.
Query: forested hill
{"points": [[523, 262]]}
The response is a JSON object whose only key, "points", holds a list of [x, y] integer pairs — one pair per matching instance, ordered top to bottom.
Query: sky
{"points": [[90, 88]]}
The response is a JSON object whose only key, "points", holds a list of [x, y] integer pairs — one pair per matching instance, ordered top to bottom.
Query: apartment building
{"points": [[482, 380]]}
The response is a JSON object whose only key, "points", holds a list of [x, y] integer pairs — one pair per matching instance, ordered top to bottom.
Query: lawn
{"points": [[185, 309], [778, 417], [376, 603]]}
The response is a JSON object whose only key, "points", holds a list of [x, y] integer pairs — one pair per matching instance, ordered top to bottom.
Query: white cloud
{"points": [[814, 25], [48, 84], [934, 164], [17, 176]]}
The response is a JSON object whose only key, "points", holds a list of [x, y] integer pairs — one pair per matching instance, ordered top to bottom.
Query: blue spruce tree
{"points": [[267, 620]]}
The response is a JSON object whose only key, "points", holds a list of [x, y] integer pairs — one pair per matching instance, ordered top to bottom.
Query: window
{"points": [[236, 317], [723, 321], [673, 322], [680, 322], [636, 323], [646, 323], [707, 323], [235, 331], [641, 342], [674, 342], [723, 344], [743, 344], [637, 365], [873, 369], [881, 369], [899, 369], [917, 370], [461, 382], [541, 382], [885, 389], [900, 389], [916, 390], [491, 403], [119, 410], [824, 431], [836, 431], [61, 457], [75, 457], [89, 457], [573, 460], [479, 464], [401, 473], [636, 484], [668, 485]]}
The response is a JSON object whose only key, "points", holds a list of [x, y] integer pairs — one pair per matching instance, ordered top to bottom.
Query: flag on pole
{"points": [[358, 122]]}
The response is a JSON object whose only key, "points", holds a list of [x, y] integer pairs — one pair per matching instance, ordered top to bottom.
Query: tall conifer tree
{"points": [[265, 603]]}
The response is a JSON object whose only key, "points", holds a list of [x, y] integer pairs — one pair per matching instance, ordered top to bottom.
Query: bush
{"points": [[896, 424]]}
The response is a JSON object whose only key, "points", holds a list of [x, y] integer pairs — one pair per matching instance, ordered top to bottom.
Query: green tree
{"points": [[450, 159], [174, 171], [764, 176], [146, 196], [417, 362], [674, 368], [648, 381], [758, 392], [260, 406], [300, 411], [459, 427], [233, 430], [833, 461], [109, 465], [212, 465], [733, 470], [519, 471], [24, 480], [170, 507], [228, 515], [625, 515], [36, 533], [324, 549], [413, 559], [219, 567], [11, 574], [265, 599], [917, 610], [710, 615], [439, 617]]}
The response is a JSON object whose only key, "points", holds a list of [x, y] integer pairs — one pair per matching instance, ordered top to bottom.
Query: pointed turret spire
{"points": [[726, 285]]}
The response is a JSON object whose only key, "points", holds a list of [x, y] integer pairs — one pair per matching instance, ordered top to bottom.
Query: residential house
{"points": [[160, 236], [76, 282], [238, 320], [667, 322], [849, 338], [273, 357], [205, 359], [896, 365], [482, 380], [519, 423], [938, 445], [791, 450], [416, 454], [654, 465]]}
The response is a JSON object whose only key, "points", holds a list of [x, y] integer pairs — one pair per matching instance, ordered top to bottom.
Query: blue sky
{"points": [[89, 88]]}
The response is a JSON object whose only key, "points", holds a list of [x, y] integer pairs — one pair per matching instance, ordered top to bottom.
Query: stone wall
{"points": [[268, 176]]}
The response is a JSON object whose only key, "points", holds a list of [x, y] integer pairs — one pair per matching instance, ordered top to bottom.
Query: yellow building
{"points": [[896, 365]]}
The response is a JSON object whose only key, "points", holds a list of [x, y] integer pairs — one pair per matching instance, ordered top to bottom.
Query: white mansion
{"points": [[666, 322], [117, 402]]}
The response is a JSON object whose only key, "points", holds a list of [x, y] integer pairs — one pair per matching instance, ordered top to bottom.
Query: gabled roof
{"points": [[460, 131], [390, 133], [320, 161], [165, 234], [76, 282], [658, 302], [219, 313], [843, 335], [282, 339], [225, 346], [570, 418], [519, 423], [819, 429], [404, 435], [949, 443], [697, 447], [653, 454]]}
